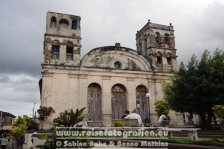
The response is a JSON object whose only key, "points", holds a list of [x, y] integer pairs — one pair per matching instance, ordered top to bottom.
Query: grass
{"points": [[180, 140], [212, 142]]}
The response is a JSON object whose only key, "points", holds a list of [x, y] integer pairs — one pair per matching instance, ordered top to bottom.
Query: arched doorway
{"points": [[118, 100], [94, 102], [142, 102]]}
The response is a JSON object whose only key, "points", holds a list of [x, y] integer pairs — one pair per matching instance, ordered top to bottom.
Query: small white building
{"points": [[108, 80]]}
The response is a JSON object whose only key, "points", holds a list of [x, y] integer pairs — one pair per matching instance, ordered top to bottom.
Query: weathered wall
{"points": [[149, 45], [106, 57], [65, 81], [67, 89]]}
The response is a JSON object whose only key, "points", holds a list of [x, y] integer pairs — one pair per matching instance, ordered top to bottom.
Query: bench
{"points": [[128, 122], [95, 124], [155, 124], [192, 132]]}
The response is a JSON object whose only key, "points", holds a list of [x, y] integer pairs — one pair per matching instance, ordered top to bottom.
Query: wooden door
{"points": [[119, 101], [94, 102], [142, 102]]}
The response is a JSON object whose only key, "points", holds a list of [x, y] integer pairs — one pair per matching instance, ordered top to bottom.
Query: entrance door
{"points": [[118, 100], [94, 102], [142, 102]]}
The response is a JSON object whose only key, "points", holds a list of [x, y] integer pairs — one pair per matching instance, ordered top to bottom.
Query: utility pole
{"points": [[34, 110], [1, 119]]}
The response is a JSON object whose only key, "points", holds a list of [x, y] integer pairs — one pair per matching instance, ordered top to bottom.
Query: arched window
{"points": [[53, 21], [63, 23], [74, 24], [157, 37], [167, 39], [145, 44], [140, 47], [55, 50], [69, 53], [159, 58], [169, 59], [117, 65], [118, 100], [94, 102], [142, 102]]}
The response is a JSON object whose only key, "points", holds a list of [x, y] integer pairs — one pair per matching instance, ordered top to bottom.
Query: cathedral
{"points": [[110, 79]]}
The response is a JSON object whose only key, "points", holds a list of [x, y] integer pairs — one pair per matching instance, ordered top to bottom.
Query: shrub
{"points": [[162, 107], [219, 112], [118, 124]]}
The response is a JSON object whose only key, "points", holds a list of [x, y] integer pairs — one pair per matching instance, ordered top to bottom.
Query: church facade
{"points": [[108, 80]]}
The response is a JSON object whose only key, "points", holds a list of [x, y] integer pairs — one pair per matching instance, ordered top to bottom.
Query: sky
{"points": [[198, 26]]}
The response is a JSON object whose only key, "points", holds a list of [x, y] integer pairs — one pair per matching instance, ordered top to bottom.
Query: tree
{"points": [[198, 86], [162, 107], [219, 112], [44, 113], [69, 118], [66, 119], [20, 126]]}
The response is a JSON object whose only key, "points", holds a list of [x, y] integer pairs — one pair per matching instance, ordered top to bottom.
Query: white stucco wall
{"points": [[67, 89]]}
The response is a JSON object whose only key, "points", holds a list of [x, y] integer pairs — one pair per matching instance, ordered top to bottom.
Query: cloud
{"points": [[211, 22], [105, 23], [198, 26], [200, 29], [18, 92], [18, 108]]}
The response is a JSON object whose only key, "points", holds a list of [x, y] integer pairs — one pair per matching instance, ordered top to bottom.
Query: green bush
{"points": [[162, 107], [219, 112], [118, 124], [212, 142]]}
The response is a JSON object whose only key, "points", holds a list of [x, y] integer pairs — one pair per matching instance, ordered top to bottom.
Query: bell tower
{"points": [[62, 40], [156, 42]]}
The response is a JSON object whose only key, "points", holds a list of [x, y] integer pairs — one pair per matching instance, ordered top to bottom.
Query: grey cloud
{"points": [[211, 22], [198, 26], [201, 30], [21, 37], [19, 88], [18, 107]]}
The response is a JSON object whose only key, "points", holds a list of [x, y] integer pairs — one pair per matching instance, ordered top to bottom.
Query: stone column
{"points": [[62, 51], [83, 87], [159, 89], [74, 93], [46, 94], [152, 99], [106, 101], [131, 103]]}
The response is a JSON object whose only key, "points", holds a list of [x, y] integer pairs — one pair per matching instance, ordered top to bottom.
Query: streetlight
{"points": [[148, 95], [138, 106], [148, 109], [34, 111], [1, 124]]}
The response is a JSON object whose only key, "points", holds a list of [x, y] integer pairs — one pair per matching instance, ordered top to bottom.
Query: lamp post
{"points": [[147, 102], [138, 106], [34, 111], [1, 120]]}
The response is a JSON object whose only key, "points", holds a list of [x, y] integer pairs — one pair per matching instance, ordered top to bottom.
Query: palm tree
{"points": [[44, 113], [69, 118], [66, 119]]}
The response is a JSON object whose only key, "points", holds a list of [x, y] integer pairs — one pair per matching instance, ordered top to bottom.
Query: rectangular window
{"points": [[74, 24], [55, 52], [69, 53], [159, 60], [169, 60]]}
